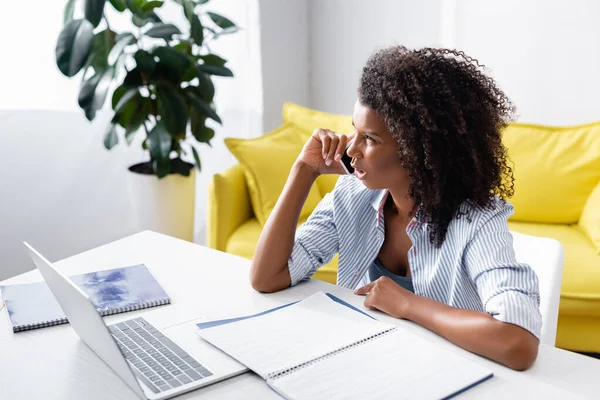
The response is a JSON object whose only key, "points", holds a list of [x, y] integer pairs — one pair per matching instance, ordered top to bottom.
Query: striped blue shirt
{"points": [[475, 268]]}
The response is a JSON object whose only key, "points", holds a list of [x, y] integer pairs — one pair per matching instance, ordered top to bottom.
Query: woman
{"points": [[421, 228]]}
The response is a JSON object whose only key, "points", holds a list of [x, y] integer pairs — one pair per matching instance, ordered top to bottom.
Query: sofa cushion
{"points": [[307, 120], [267, 161], [555, 170], [590, 218], [244, 240], [580, 292]]}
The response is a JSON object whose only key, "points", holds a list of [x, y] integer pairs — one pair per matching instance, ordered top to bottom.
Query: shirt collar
{"points": [[378, 198]]}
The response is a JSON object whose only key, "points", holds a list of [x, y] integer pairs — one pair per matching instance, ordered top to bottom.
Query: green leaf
{"points": [[201, 1], [118, 5], [151, 5], [135, 6], [188, 9], [94, 10], [68, 11], [144, 18], [138, 21], [221, 21], [197, 30], [163, 31], [227, 31], [122, 40], [102, 43], [73, 46], [184, 46], [173, 58], [213, 59], [144, 61], [215, 70], [163, 73], [133, 78], [206, 86], [93, 93], [131, 93], [118, 95], [200, 106], [172, 109], [132, 112], [201, 132], [130, 135], [110, 137], [159, 141], [197, 158], [181, 167], [162, 168]]}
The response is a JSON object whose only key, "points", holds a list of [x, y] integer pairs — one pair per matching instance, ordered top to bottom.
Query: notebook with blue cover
{"points": [[113, 291], [322, 348]]}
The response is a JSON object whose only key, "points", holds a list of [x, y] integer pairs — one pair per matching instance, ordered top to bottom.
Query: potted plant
{"points": [[158, 77]]}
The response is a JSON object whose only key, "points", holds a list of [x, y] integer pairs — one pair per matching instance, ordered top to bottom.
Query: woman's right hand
{"points": [[323, 151]]}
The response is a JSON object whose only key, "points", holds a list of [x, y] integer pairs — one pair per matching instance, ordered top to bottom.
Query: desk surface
{"points": [[52, 363]]}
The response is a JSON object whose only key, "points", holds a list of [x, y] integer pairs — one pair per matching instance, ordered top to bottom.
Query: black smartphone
{"points": [[346, 160]]}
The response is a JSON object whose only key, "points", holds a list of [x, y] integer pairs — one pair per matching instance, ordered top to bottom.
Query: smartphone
{"points": [[346, 160]]}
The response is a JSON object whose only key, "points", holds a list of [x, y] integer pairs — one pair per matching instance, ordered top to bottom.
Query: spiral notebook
{"points": [[113, 291], [321, 349]]}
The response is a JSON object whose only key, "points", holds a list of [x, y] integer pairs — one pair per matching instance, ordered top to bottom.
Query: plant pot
{"points": [[163, 205]]}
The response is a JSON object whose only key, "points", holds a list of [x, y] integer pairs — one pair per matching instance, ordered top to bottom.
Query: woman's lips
{"points": [[359, 173]]}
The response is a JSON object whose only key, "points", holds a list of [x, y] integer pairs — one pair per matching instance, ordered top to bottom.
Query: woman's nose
{"points": [[354, 151]]}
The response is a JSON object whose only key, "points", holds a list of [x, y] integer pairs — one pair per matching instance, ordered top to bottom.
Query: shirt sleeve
{"points": [[315, 243], [509, 290]]}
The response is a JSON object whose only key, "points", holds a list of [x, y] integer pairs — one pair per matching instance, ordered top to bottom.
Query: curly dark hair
{"points": [[447, 117]]}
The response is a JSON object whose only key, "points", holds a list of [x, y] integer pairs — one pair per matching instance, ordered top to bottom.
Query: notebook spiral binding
{"points": [[103, 313], [286, 371]]}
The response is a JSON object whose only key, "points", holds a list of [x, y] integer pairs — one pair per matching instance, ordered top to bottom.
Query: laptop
{"points": [[146, 359]]}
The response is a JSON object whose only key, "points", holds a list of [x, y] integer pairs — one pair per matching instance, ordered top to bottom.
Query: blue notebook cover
{"points": [[32, 305], [210, 324]]}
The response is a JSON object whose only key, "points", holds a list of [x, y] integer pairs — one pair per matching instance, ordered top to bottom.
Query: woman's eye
{"points": [[369, 139]]}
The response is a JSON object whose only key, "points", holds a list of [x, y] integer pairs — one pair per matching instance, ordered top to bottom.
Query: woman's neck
{"points": [[402, 205]]}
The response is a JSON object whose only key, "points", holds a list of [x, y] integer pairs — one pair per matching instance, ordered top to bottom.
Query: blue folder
{"points": [[210, 324]]}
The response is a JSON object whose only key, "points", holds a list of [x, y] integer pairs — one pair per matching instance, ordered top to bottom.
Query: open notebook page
{"points": [[293, 335], [396, 365]]}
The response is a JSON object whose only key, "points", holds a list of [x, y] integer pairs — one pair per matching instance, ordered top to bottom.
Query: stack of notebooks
{"points": [[32, 305], [319, 348]]}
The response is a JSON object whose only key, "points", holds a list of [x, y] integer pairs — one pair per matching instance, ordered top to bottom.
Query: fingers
{"points": [[326, 140], [333, 145], [341, 148], [365, 289], [369, 303]]}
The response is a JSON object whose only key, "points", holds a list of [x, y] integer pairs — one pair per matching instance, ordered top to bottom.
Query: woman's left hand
{"points": [[386, 295]]}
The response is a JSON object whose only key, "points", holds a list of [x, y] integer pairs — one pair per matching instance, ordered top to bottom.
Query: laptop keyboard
{"points": [[156, 360]]}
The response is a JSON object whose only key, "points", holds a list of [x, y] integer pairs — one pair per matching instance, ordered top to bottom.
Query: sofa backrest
{"points": [[555, 168]]}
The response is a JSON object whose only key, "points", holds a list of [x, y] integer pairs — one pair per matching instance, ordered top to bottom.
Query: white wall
{"points": [[344, 33], [545, 54], [285, 56], [60, 189], [64, 193]]}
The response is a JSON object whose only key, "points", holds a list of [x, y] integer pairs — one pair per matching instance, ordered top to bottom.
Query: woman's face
{"points": [[374, 152]]}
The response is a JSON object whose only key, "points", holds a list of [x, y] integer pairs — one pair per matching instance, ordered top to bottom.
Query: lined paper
{"points": [[293, 335], [396, 365]]}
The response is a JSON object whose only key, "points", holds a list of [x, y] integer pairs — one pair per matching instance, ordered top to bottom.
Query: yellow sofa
{"points": [[557, 195]]}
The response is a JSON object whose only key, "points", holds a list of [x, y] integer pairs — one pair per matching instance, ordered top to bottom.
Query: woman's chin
{"points": [[369, 184]]}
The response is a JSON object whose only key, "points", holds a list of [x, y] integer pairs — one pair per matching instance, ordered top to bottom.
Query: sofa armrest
{"points": [[228, 206]]}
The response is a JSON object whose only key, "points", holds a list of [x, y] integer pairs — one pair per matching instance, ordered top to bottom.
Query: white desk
{"points": [[52, 363]]}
